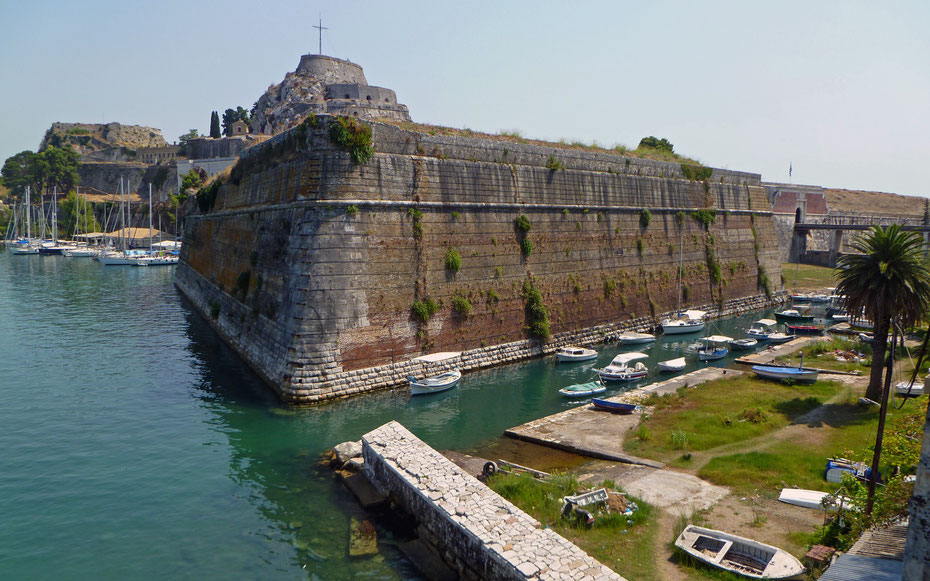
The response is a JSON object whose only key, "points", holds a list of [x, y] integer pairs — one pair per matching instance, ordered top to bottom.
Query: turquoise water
{"points": [[136, 445]]}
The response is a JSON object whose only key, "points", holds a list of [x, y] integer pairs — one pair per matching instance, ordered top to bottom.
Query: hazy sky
{"points": [[840, 90]]}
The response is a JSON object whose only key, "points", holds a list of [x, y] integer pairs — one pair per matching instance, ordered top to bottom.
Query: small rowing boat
{"points": [[672, 364], [780, 373], [435, 384], [583, 389], [618, 407], [737, 554]]}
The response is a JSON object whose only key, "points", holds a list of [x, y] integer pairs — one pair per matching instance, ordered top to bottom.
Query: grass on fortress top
{"points": [[513, 136], [809, 277]]}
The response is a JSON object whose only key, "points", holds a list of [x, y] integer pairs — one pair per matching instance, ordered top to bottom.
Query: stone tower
{"points": [[323, 84]]}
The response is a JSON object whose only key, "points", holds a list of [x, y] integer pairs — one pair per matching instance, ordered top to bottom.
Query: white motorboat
{"points": [[24, 248], [80, 252], [117, 258], [162, 260], [687, 322], [761, 329], [631, 338], [778, 338], [743, 344], [714, 347], [570, 354], [672, 364], [625, 367], [436, 383], [905, 389], [814, 499], [738, 554]]}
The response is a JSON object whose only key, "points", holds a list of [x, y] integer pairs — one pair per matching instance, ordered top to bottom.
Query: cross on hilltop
{"points": [[321, 29]]}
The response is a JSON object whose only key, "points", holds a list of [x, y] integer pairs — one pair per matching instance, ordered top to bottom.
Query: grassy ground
{"points": [[808, 277], [826, 354], [720, 413], [625, 544]]}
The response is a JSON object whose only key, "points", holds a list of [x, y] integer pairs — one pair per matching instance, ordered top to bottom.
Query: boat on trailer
{"points": [[570, 353], [436, 383], [617, 407], [738, 554]]}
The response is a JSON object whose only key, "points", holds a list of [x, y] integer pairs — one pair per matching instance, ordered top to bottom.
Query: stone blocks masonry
{"points": [[309, 265]]}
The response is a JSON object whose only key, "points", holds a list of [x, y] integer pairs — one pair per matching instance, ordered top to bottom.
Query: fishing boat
{"points": [[793, 316], [687, 322], [761, 329], [804, 329], [631, 338], [778, 338], [743, 344], [714, 347], [569, 354], [672, 364], [624, 367], [780, 373], [436, 383], [583, 389], [617, 407], [814, 499], [737, 554]]}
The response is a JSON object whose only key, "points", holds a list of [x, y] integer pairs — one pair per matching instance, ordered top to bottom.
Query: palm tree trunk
{"points": [[879, 346]]}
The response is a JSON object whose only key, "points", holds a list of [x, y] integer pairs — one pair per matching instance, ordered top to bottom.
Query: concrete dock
{"points": [[597, 434]]}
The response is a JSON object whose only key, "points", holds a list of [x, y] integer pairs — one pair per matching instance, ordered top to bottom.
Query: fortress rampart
{"points": [[310, 265]]}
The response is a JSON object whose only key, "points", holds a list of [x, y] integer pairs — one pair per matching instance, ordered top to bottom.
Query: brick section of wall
{"points": [[312, 263]]}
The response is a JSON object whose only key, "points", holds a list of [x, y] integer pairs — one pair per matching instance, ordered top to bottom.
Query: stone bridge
{"points": [[836, 226]]}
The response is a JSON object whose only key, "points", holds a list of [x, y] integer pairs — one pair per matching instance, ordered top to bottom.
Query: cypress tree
{"points": [[215, 125]]}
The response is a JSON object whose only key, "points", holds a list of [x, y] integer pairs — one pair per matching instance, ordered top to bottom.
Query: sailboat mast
{"points": [[55, 215], [150, 218], [28, 220], [681, 254]]}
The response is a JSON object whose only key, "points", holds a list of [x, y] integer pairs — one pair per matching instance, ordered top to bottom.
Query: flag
{"points": [[789, 169]]}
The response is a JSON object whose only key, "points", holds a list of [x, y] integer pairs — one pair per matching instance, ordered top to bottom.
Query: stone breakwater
{"points": [[329, 277], [478, 533]]}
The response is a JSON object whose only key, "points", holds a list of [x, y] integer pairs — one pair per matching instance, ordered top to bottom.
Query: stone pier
{"points": [[479, 534]]}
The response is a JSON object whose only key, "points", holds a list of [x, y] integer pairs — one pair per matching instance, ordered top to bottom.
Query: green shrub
{"points": [[354, 137], [656, 143], [553, 164], [696, 173], [206, 197], [352, 211], [417, 215], [455, 215], [645, 217], [704, 217], [522, 224], [526, 246], [640, 246], [453, 260], [498, 271], [763, 281], [610, 285], [685, 292], [493, 297], [461, 305], [214, 309], [423, 310], [537, 315], [678, 440]]}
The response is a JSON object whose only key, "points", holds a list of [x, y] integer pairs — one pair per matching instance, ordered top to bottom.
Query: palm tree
{"points": [[888, 280]]}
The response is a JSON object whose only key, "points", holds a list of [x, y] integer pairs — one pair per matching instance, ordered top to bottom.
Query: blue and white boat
{"points": [[761, 329], [714, 347], [624, 367], [793, 373], [583, 389]]}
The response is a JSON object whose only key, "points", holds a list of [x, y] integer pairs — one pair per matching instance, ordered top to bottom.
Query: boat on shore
{"points": [[631, 338], [571, 353], [677, 364], [624, 367], [780, 373], [436, 383], [583, 389], [905, 389], [617, 407], [814, 499], [738, 554]]}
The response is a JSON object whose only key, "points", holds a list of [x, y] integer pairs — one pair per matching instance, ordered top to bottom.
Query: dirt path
{"points": [[665, 566]]}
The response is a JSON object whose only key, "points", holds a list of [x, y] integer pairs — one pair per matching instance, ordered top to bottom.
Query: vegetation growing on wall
{"points": [[353, 136], [553, 164], [696, 172], [206, 197], [352, 211], [417, 216], [645, 217], [705, 217], [522, 225], [526, 246], [453, 260], [763, 281], [461, 305], [423, 310], [537, 316]]}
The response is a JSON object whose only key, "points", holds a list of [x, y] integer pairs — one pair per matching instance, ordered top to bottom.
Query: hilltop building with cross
{"points": [[323, 84]]}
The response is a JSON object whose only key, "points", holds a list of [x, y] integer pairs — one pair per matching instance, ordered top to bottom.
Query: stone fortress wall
{"points": [[309, 265]]}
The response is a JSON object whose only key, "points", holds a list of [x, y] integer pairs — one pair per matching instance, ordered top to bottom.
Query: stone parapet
{"points": [[481, 535]]}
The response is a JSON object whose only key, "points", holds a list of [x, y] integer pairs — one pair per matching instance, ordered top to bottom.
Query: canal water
{"points": [[136, 445]]}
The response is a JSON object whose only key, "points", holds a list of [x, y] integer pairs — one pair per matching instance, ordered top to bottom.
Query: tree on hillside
{"points": [[230, 116], [215, 125], [182, 140], [656, 143], [62, 164], [17, 173], [74, 211], [886, 281]]}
